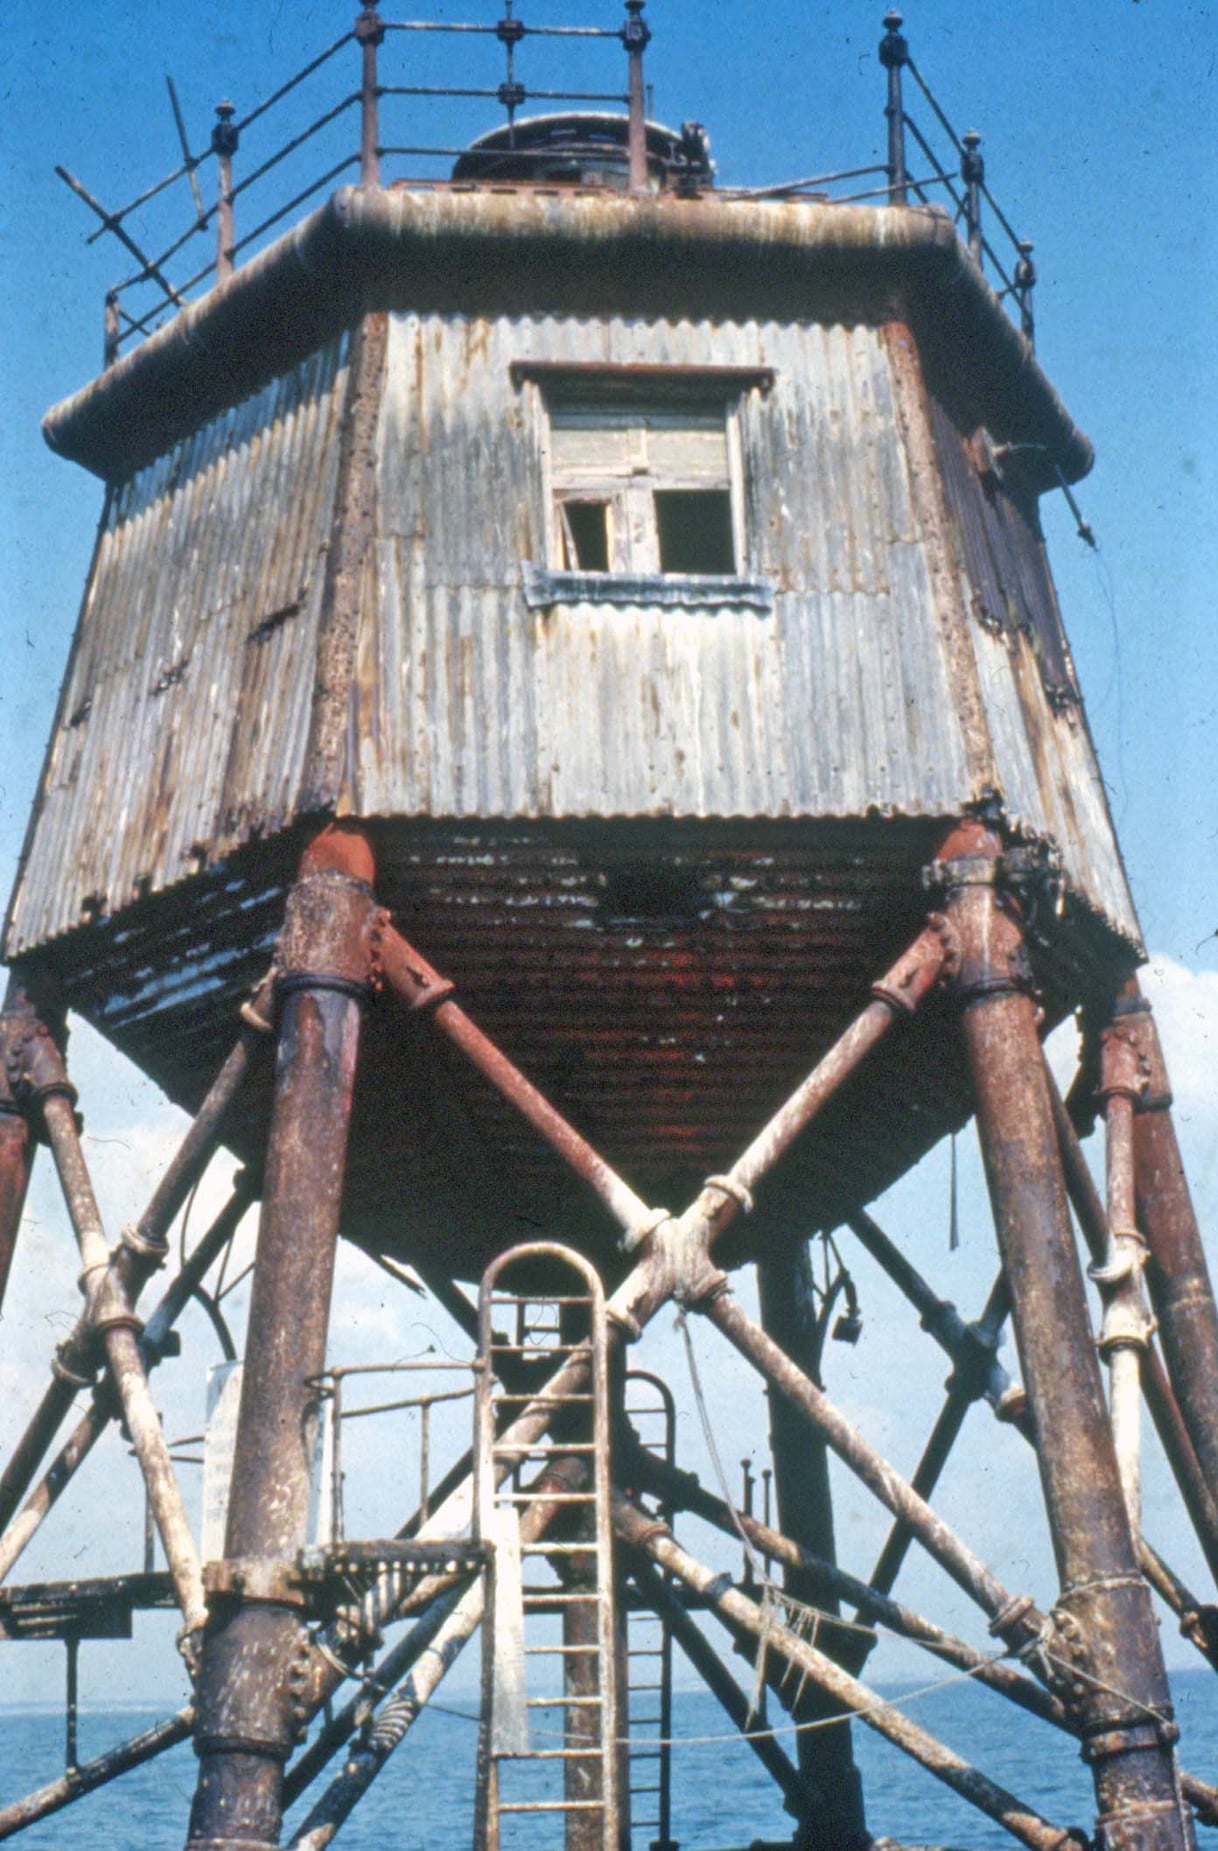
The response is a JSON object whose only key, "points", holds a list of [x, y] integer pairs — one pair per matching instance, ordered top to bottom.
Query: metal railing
{"points": [[327, 142], [308, 156], [966, 188], [331, 1385]]}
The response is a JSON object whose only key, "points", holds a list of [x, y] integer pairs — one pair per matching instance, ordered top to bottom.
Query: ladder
{"points": [[651, 1411], [548, 1740]]}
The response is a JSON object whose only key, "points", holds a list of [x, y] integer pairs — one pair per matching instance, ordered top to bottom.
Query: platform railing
{"points": [[297, 157]]}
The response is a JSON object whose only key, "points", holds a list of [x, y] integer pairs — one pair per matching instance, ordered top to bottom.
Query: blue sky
{"points": [[1100, 139]]}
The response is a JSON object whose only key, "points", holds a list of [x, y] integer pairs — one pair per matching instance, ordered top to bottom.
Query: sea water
{"points": [[722, 1797]]}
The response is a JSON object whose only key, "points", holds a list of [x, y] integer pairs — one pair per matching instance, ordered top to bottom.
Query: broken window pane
{"points": [[694, 530], [585, 535]]}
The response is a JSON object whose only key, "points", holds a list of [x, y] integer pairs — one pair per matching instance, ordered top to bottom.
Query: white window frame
{"points": [[634, 574]]}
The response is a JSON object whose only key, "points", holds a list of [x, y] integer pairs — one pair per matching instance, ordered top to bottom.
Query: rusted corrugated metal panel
{"points": [[473, 704], [185, 720], [1045, 762], [667, 1015]]}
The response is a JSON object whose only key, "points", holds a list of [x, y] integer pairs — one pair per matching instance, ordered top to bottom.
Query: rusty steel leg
{"points": [[41, 1080], [17, 1139], [140, 1251], [1181, 1293], [1160, 1396], [103, 1407], [1104, 1627], [249, 1712], [833, 1818]]}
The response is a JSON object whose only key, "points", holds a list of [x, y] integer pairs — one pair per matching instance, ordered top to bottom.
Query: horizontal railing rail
{"points": [[294, 161]]}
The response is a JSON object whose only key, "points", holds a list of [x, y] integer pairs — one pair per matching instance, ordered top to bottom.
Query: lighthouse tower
{"points": [[570, 732]]}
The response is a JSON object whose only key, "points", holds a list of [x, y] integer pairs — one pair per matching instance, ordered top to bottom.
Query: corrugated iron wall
{"points": [[836, 703], [187, 710], [186, 713], [1045, 762]]}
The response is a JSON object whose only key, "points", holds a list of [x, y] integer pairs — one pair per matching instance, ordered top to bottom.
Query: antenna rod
{"points": [[187, 156]]}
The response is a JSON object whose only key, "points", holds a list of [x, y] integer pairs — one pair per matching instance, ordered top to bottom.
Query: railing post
{"points": [[369, 32], [509, 32], [636, 35], [894, 53], [224, 140], [972, 172], [1025, 283], [111, 326]]}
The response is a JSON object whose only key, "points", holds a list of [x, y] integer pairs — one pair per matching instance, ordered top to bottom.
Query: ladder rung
{"points": [[542, 1300], [535, 1349], [543, 1400], [541, 1451], [548, 1498], [558, 1548], [552, 1594], [557, 1651], [563, 1703], [555, 1754], [552, 1806]]}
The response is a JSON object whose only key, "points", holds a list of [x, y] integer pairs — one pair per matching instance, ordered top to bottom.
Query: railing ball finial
{"points": [[369, 26], [636, 33], [894, 49], [224, 135], [972, 172], [1025, 283]]}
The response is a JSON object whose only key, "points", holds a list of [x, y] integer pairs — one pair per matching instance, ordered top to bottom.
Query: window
{"points": [[644, 485], [642, 489]]}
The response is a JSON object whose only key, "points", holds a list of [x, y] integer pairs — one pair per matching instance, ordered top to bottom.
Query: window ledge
{"points": [[679, 590]]}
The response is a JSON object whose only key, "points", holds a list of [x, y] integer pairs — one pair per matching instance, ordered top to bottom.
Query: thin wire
{"points": [[1107, 590], [190, 1202], [763, 1578], [923, 1690], [1110, 1690], [769, 1732]]}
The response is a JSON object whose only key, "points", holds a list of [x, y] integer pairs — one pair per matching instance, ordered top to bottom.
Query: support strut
{"points": [[833, 1812]]}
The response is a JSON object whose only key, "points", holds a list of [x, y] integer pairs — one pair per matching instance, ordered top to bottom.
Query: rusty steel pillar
{"points": [[17, 1136], [1177, 1277], [1104, 1642], [253, 1693], [832, 1817]]}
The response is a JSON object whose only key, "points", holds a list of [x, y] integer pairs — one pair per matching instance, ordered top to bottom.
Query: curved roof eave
{"points": [[514, 249]]}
